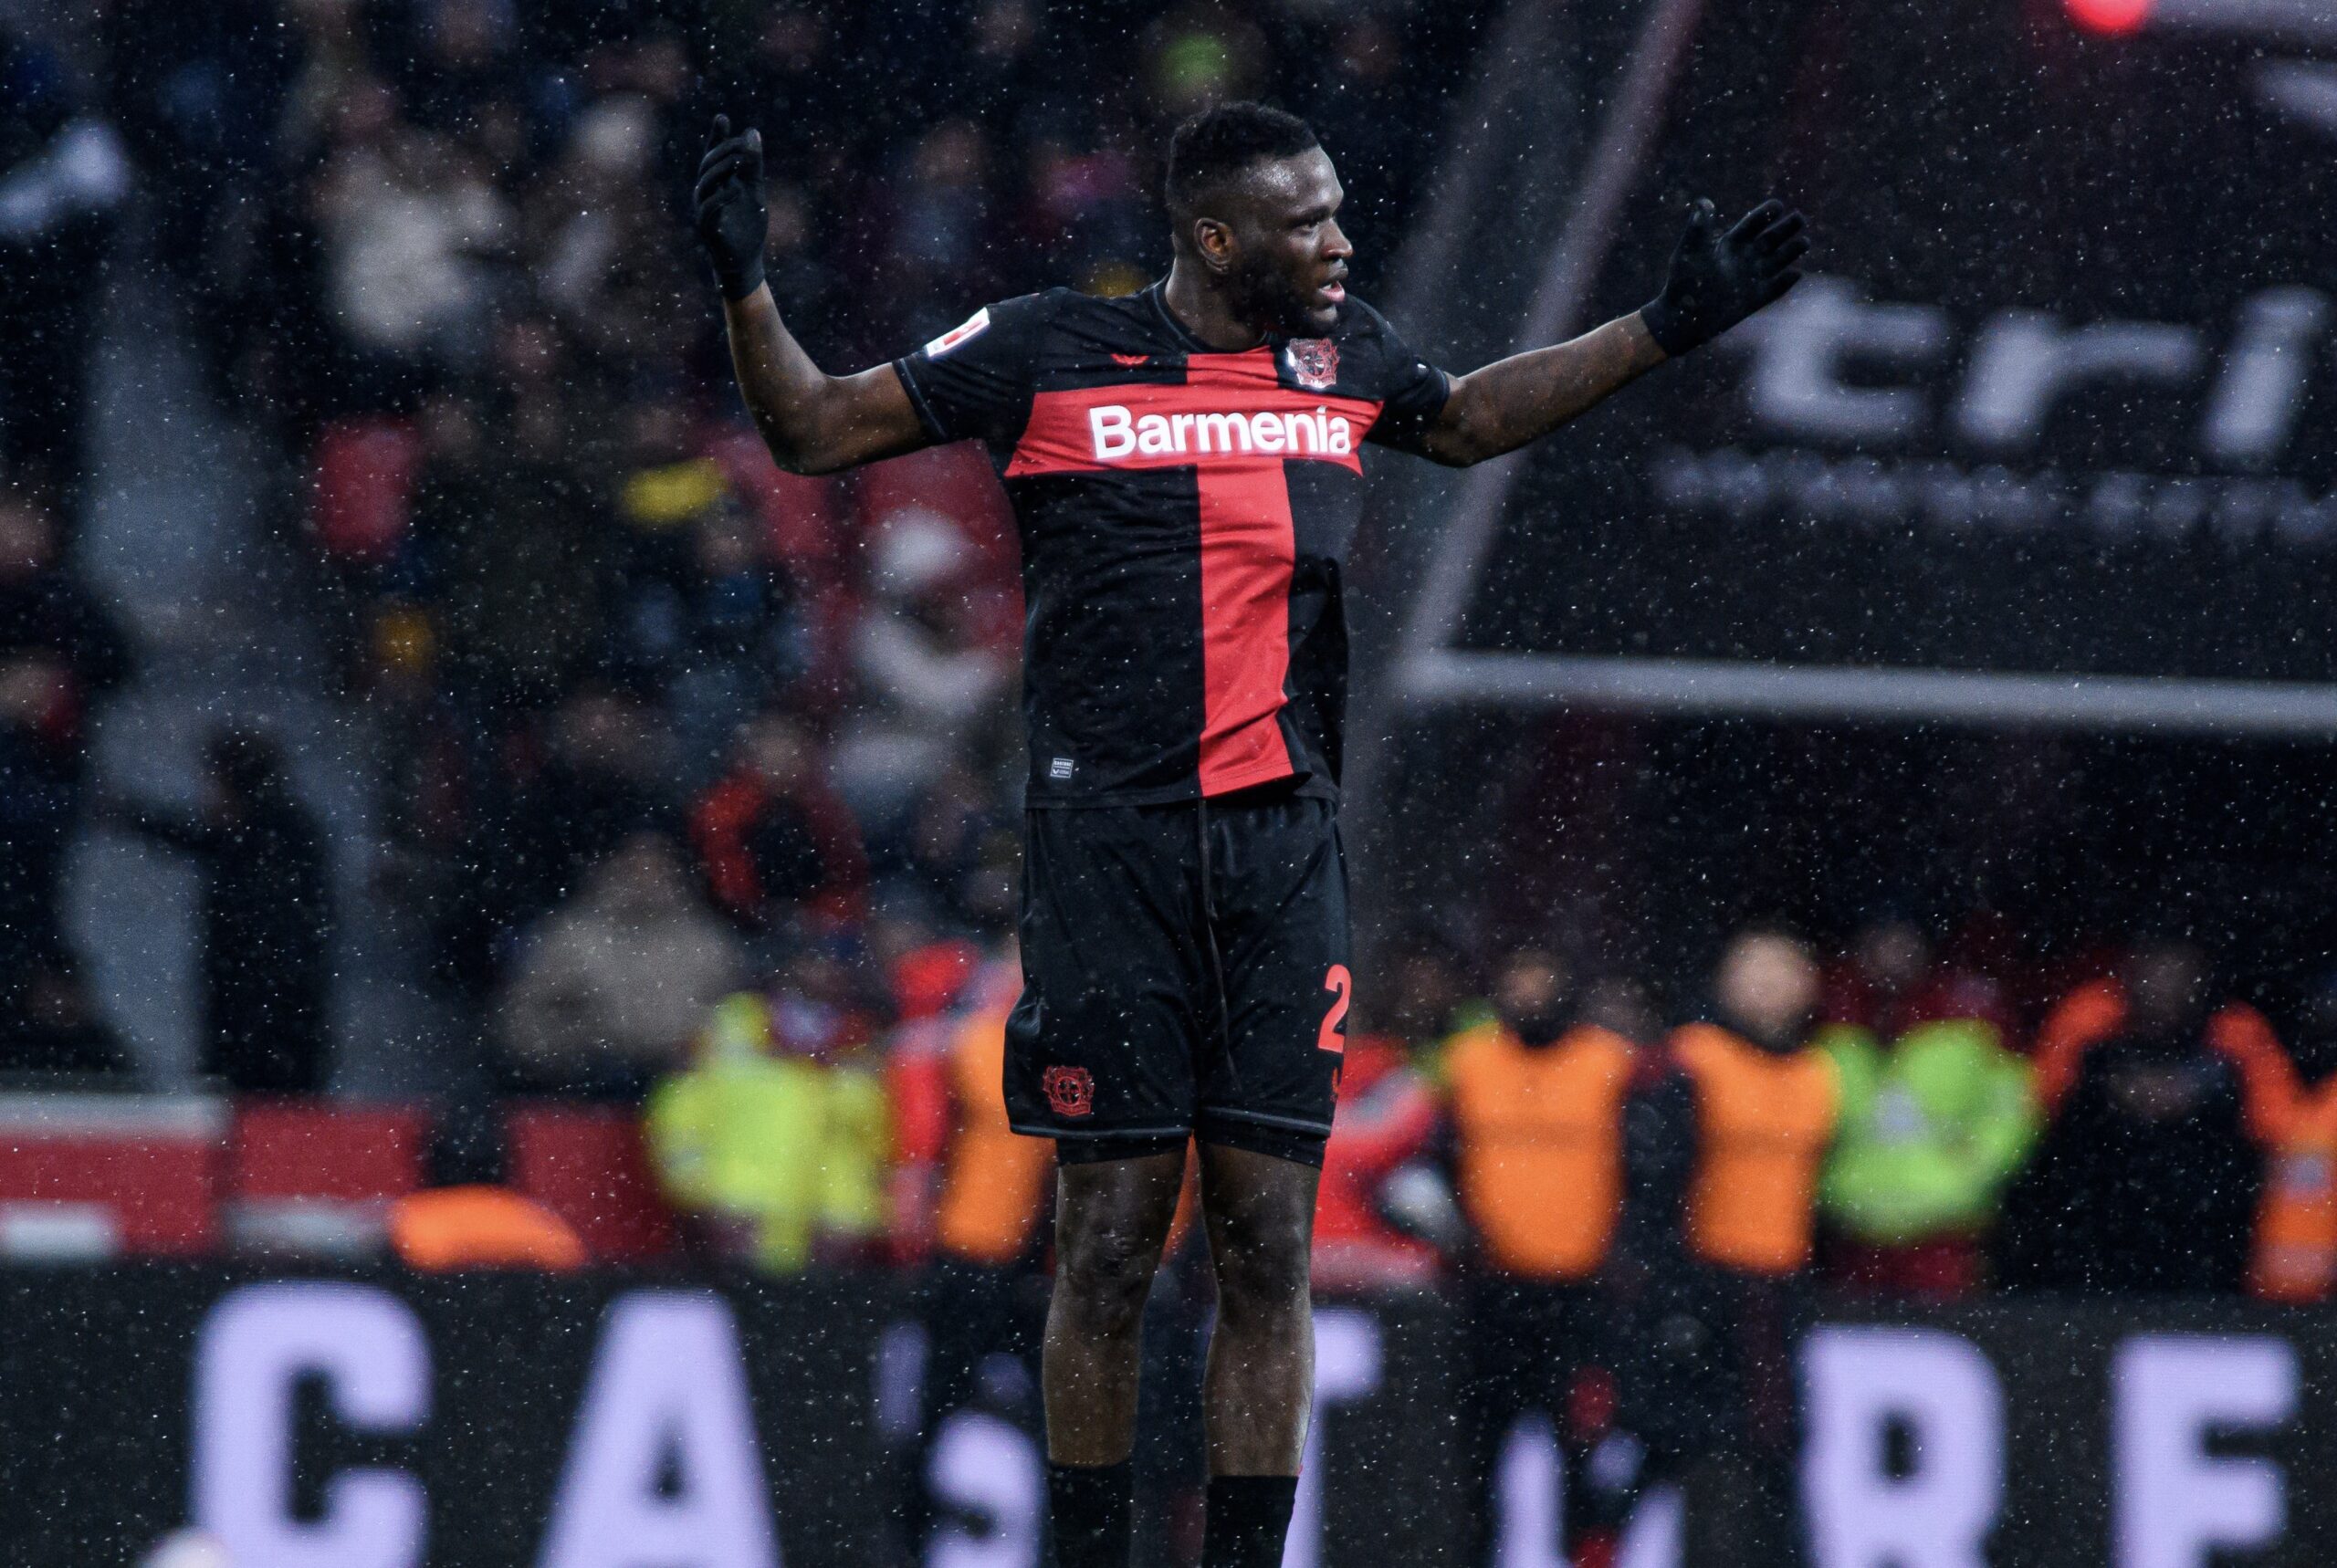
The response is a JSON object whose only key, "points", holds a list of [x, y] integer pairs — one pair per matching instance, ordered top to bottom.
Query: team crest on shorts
{"points": [[1314, 362], [1070, 1090]]}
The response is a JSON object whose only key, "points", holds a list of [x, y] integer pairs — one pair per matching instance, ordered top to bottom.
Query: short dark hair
{"points": [[1212, 147]]}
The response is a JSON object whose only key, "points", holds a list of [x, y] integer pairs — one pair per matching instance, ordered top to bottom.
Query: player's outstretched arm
{"points": [[1718, 279], [813, 422]]}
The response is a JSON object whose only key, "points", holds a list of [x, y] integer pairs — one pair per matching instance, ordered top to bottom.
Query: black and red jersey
{"points": [[1185, 516]]}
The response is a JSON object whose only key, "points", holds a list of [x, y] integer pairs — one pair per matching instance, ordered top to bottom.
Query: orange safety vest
{"points": [[2096, 1011], [1763, 1124], [1539, 1143], [994, 1180], [447, 1228], [2295, 1230]]}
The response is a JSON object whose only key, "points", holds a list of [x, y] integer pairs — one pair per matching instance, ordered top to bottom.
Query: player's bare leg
{"points": [[1112, 1220], [1260, 1387]]}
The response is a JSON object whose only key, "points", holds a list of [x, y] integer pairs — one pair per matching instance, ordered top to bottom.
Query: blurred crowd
{"points": [[620, 674], [697, 776], [697, 779], [1874, 1115], [1636, 1215]]}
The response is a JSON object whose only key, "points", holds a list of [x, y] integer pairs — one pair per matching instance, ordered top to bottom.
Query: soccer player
{"points": [[1185, 468]]}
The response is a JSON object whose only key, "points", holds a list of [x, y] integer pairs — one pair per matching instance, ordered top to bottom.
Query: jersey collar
{"points": [[1158, 293]]}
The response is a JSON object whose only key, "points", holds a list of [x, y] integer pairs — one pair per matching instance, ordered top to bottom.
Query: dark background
{"points": [[1977, 157], [1970, 160]]}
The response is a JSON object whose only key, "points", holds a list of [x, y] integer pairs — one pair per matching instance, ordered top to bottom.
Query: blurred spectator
{"points": [[1199, 54], [796, 57], [459, 60], [1003, 70], [202, 93], [1360, 106], [63, 173], [1092, 215], [409, 223], [942, 244], [612, 251], [804, 284], [454, 492], [527, 544], [45, 609], [711, 627], [60, 649], [930, 668], [40, 794], [544, 823], [774, 844], [955, 853], [266, 923], [1889, 962], [924, 975], [1892, 980], [614, 984], [2162, 987], [1428, 993], [1620, 1004], [48, 1024], [1536, 1100], [1935, 1125], [774, 1141], [1725, 1154], [2149, 1176], [966, 1188], [1381, 1197], [971, 1198], [467, 1218], [2296, 1233], [188, 1549]]}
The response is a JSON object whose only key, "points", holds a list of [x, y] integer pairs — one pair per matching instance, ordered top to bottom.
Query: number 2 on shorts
{"points": [[1333, 1038]]}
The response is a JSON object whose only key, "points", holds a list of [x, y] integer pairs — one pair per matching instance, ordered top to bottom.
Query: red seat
{"points": [[955, 483], [360, 505], [802, 516], [287, 1149], [586, 1163], [87, 1174], [313, 1178]]}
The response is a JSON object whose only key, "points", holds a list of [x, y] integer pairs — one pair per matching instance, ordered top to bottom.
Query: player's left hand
{"points": [[1719, 278]]}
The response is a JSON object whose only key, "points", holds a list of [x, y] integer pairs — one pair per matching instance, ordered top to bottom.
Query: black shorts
{"points": [[1184, 974]]}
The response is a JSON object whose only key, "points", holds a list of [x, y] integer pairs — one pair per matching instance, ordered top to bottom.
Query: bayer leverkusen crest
{"points": [[1314, 362], [1071, 1090]]}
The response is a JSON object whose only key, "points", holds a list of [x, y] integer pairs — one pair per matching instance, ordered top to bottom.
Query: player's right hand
{"points": [[727, 205], [1721, 276]]}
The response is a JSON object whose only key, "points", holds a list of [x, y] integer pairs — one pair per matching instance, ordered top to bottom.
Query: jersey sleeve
{"points": [[974, 381], [1411, 390]]}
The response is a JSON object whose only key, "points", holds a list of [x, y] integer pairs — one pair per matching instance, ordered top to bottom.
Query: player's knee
{"points": [[1262, 1267], [1105, 1274]]}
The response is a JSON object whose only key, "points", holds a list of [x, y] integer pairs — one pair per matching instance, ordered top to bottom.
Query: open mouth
{"points": [[1333, 292]]}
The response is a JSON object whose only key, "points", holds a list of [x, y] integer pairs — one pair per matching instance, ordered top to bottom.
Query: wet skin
{"points": [[1112, 1220]]}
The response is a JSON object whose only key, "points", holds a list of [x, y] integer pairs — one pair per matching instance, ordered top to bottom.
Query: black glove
{"points": [[728, 207], [1718, 280]]}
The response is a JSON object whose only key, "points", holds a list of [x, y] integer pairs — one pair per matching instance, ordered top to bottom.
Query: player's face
{"points": [[1290, 259]]}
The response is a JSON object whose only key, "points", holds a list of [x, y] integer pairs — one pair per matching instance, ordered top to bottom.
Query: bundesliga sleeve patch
{"points": [[973, 326]]}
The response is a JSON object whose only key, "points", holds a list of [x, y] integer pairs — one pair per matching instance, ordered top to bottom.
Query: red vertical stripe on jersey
{"points": [[1248, 550]]}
